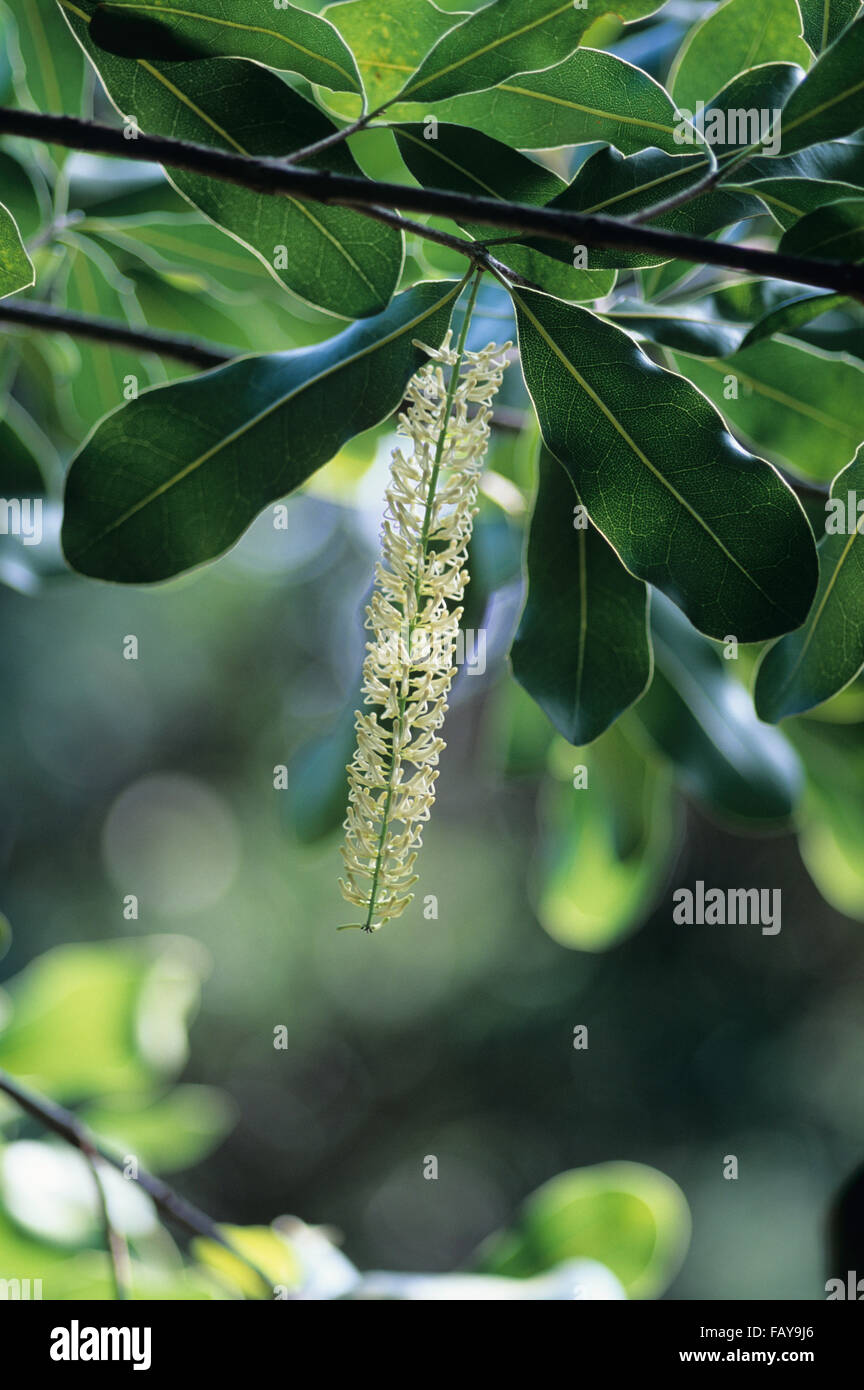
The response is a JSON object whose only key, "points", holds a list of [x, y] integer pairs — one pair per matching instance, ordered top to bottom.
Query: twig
{"points": [[338, 135], [275, 178], [708, 181], [28, 314], [172, 1206], [115, 1245]]}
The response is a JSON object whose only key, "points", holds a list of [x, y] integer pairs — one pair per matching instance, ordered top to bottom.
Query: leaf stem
{"points": [[169, 1203]]}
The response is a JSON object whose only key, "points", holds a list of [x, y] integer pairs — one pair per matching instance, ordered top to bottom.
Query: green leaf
{"points": [[824, 20], [737, 35], [282, 37], [506, 37], [389, 39], [51, 67], [591, 96], [830, 101], [466, 161], [834, 161], [611, 184], [615, 186], [20, 195], [789, 199], [832, 233], [173, 242], [333, 257], [16, 268], [94, 287], [795, 313], [688, 327], [794, 402], [22, 447], [656, 469], [175, 477], [582, 649], [807, 667], [701, 719], [318, 781], [832, 826], [606, 846], [90, 1019], [167, 1132], [629, 1217], [268, 1249]]}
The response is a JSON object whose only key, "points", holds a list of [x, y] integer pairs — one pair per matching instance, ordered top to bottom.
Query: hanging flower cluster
{"points": [[414, 620]]}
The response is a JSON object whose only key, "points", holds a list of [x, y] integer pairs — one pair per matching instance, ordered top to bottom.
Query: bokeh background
{"points": [[450, 1037]]}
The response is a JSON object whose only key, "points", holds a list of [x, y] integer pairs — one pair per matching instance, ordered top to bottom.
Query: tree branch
{"points": [[275, 178], [29, 314], [171, 1205], [115, 1244]]}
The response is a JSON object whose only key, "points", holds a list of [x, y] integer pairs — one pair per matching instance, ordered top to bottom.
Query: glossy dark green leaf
{"points": [[824, 20], [736, 35], [279, 36], [503, 38], [590, 96], [830, 101], [466, 161], [831, 161], [615, 186], [789, 199], [833, 233], [333, 257], [16, 268], [788, 317], [687, 327], [792, 401], [173, 478], [685, 508], [582, 649], [807, 667], [700, 718]]}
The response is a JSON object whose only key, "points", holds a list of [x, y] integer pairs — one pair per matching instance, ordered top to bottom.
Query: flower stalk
{"points": [[413, 618]]}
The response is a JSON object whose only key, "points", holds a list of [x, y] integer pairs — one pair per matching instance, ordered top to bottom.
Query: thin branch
{"points": [[337, 137], [715, 173], [275, 178], [476, 251], [29, 314], [171, 1205], [115, 1245]]}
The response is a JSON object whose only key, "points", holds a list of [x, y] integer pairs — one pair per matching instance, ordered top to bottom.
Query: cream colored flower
{"points": [[413, 618]]}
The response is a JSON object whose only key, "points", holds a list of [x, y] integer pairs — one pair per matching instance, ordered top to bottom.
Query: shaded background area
{"points": [[450, 1037]]}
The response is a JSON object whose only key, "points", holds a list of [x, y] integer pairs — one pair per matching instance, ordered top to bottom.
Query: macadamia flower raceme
{"points": [[413, 618]]}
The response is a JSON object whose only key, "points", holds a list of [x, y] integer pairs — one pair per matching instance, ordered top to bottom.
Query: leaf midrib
{"points": [[233, 24], [487, 48], [262, 415], [639, 453]]}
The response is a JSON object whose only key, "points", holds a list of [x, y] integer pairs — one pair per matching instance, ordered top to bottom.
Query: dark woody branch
{"points": [[278, 179]]}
